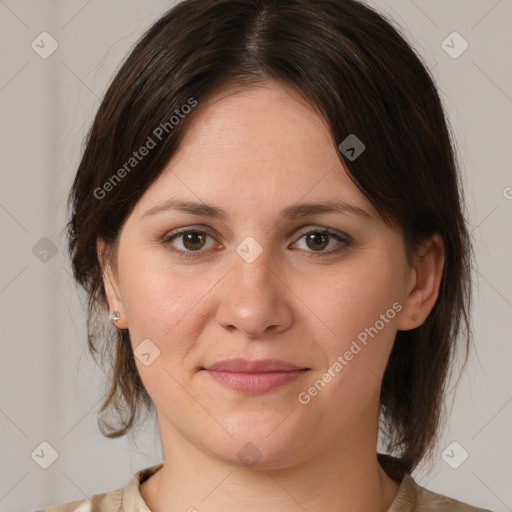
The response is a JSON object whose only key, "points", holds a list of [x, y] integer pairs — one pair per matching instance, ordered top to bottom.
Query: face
{"points": [[221, 259]]}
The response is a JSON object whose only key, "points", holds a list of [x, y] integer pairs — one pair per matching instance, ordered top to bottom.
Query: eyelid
{"points": [[186, 229], [197, 229], [322, 229]]}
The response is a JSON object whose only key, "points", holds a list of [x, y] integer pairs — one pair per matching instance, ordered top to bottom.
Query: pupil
{"points": [[318, 236], [193, 239]]}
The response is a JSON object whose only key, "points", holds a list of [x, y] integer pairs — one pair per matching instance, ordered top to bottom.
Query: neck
{"points": [[342, 478]]}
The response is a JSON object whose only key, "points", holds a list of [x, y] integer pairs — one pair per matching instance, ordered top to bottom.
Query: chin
{"points": [[260, 442]]}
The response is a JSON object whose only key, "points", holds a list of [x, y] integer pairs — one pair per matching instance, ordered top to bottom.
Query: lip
{"points": [[253, 366], [254, 376]]}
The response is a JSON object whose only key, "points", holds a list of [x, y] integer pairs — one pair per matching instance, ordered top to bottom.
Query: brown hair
{"points": [[360, 74]]}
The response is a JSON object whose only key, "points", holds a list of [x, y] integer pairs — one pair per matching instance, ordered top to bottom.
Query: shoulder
{"points": [[414, 498], [125, 499], [430, 501], [105, 502]]}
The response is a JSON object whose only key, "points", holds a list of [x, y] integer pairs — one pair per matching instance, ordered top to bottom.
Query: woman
{"points": [[269, 209]]}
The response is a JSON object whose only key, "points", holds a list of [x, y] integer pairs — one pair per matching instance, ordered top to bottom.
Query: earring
{"points": [[114, 316], [415, 317]]}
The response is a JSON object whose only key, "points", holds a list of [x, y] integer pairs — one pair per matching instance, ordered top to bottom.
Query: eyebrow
{"points": [[291, 212]]}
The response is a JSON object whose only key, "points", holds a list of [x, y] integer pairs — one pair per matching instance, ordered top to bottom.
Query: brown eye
{"points": [[193, 240], [317, 241], [189, 242]]}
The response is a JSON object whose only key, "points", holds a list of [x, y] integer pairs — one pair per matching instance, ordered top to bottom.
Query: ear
{"points": [[423, 286], [111, 287]]}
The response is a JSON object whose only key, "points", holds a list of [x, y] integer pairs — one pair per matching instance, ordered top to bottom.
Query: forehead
{"points": [[267, 104], [242, 130], [256, 145]]}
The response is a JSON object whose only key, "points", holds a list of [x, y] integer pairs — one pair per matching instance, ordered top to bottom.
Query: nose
{"points": [[255, 298]]}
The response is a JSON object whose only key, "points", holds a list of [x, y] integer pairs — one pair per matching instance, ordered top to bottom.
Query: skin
{"points": [[253, 152]]}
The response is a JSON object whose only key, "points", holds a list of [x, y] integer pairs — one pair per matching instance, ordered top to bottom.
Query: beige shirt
{"points": [[410, 498]]}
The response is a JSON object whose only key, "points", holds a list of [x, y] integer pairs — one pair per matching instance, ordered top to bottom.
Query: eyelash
{"points": [[343, 239]]}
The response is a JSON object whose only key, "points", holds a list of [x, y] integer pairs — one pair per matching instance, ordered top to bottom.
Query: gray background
{"points": [[50, 389]]}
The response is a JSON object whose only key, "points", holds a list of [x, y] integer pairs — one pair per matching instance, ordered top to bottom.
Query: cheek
{"points": [[159, 302], [164, 308], [360, 308], [361, 314]]}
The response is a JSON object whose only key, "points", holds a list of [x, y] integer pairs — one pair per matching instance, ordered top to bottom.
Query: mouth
{"points": [[254, 376]]}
